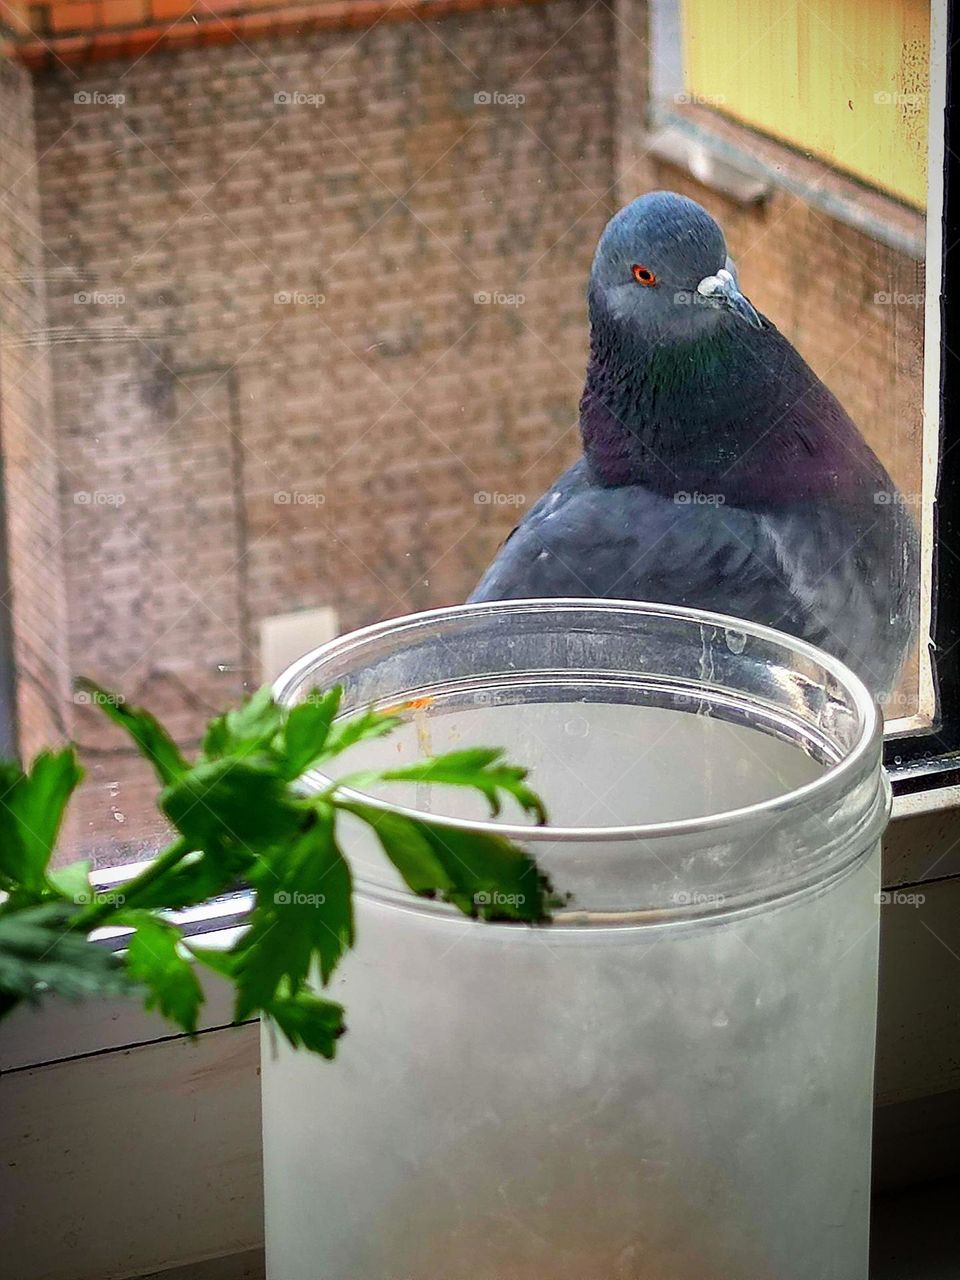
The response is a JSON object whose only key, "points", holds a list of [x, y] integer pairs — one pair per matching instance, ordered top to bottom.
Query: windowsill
{"points": [[747, 167], [918, 849], [128, 1074], [914, 1236], [912, 1239]]}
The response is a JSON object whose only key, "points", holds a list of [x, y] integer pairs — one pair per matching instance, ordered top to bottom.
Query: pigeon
{"points": [[717, 471]]}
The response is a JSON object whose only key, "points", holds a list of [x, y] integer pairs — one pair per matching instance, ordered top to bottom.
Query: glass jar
{"points": [[673, 1079]]}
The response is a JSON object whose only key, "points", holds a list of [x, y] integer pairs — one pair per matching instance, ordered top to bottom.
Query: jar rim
{"points": [[835, 778]]}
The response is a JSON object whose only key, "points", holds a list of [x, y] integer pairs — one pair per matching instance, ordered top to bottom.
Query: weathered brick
{"points": [[165, 10], [121, 13], [74, 15]]}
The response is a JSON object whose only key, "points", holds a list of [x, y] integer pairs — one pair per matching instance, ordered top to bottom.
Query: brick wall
{"points": [[228, 455], [35, 598]]}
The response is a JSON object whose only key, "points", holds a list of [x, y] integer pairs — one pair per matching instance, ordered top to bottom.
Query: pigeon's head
{"points": [[661, 269]]}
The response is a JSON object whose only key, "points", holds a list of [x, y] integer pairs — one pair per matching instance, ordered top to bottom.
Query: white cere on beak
{"points": [[720, 283]]}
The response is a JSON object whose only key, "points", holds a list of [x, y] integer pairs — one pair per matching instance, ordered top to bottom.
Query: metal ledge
{"points": [[748, 167]]}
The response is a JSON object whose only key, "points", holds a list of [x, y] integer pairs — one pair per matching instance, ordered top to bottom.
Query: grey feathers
{"points": [[718, 471]]}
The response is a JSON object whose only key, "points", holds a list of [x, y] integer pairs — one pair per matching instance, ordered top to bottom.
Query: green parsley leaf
{"points": [[359, 728], [307, 729], [246, 731], [152, 740], [477, 767], [231, 805], [31, 810], [240, 815], [406, 847], [484, 875], [492, 877], [197, 878], [72, 882], [303, 916], [39, 954], [155, 960], [308, 1020]]}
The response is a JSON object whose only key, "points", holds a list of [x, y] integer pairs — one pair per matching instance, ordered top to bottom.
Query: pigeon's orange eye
{"points": [[643, 275]]}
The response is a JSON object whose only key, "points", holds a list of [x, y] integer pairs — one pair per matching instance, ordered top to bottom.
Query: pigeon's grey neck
{"points": [[658, 411], [712, 414]]}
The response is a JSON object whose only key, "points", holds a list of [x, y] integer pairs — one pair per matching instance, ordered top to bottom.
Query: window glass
{"points": [[294, 324]]}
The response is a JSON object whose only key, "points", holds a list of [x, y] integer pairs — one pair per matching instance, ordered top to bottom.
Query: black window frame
{"points": [[929, 759]]}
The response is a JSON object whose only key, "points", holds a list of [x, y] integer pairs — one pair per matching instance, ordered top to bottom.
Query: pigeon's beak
{"points": [[723, 289]]}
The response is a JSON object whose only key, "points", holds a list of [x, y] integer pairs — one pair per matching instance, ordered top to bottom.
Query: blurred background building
{"points": [[292, 300]]}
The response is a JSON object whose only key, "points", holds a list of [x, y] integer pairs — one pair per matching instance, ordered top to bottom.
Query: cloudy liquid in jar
{"points": [[596, 764]]}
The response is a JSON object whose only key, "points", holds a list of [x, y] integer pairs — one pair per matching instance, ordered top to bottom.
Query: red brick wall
{"points": [[60, 32], [185, 407]]}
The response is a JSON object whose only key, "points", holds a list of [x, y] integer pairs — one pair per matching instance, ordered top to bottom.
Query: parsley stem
{"points": [[100, 911]]}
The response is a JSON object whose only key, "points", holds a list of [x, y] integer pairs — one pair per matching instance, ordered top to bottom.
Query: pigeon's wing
{"points": [[574, 480], [629, 543]]}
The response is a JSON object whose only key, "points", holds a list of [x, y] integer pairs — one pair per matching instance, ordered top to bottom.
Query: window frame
{"points": [[926, 762], [918, 849]]}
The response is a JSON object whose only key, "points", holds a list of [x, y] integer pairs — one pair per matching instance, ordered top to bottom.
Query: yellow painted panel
{"points": [[845, 80]]}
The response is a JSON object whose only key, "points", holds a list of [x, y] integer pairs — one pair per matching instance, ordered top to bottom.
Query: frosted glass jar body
{"points": [[673, 1081]]}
